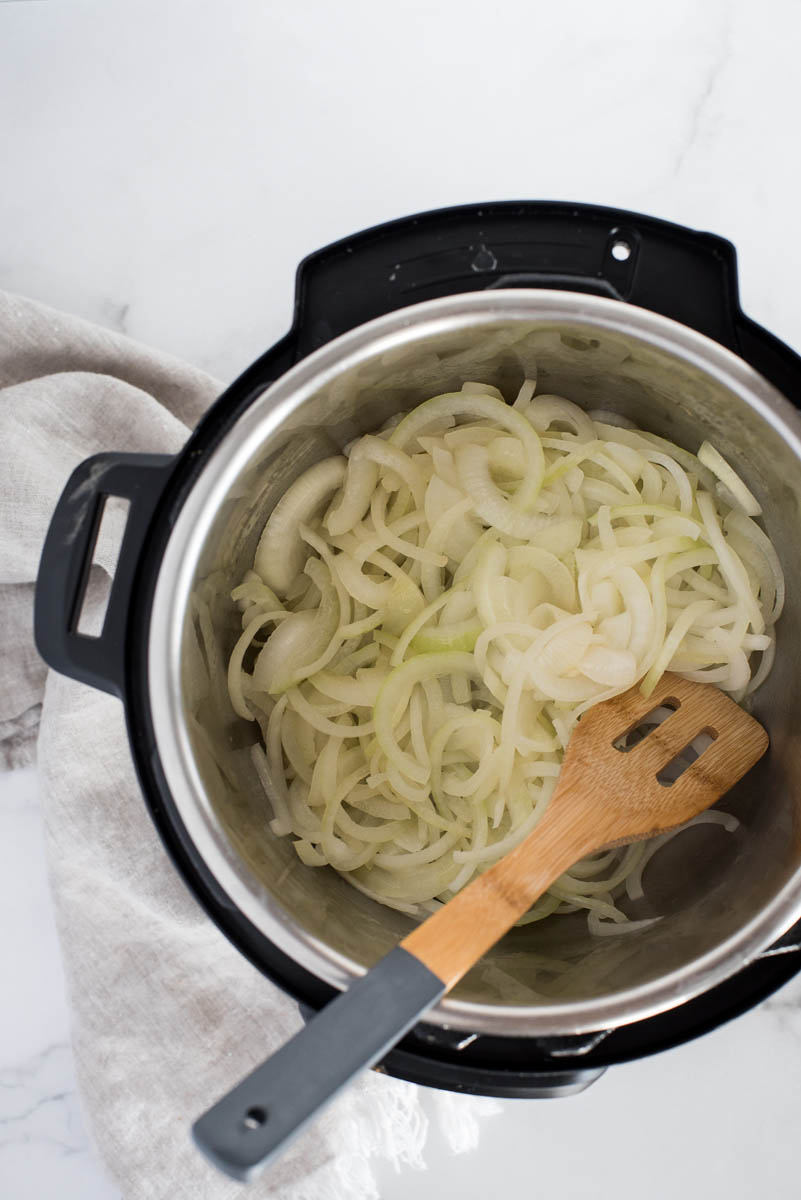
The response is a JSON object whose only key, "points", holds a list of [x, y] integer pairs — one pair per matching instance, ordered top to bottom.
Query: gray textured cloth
{"points": [[166, 1015]]}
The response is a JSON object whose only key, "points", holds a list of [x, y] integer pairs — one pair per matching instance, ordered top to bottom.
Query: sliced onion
{"points": [[491, 409], [545, 410], [716, 463], [472, 467], [280, 554], [480, 580], [303, 643], [612, 668]]}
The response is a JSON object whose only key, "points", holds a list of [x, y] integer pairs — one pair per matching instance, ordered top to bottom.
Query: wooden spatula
{"points": [[605, 796]]}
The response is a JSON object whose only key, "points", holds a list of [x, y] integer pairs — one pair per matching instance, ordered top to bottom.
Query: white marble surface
{"points": [[165, 165]]}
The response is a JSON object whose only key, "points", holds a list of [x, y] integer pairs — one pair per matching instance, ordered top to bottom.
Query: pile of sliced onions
{"points": [[429, 615]]}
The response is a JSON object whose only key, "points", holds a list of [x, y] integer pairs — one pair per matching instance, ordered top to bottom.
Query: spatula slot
{"points": [[645, 725], [674, 769]]}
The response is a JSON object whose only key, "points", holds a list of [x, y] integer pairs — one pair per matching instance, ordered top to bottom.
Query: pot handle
{"points": [[678, 272], [67, 556]]}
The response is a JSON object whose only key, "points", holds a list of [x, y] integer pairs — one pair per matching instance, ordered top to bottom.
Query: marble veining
{"points": [[698, 112], [38, 1106]]}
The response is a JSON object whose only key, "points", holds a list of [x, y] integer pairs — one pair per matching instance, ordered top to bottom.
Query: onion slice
{"points": [[716, 463], [280, 553]]}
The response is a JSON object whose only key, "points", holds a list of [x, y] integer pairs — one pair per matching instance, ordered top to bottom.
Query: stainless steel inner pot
{"points": [[723, 897]]}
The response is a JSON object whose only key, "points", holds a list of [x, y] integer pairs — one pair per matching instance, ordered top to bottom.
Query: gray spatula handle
{"points": [[244, 1129]]}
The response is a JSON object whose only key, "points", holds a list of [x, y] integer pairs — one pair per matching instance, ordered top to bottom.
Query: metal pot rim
{"points": [[176, 574]]}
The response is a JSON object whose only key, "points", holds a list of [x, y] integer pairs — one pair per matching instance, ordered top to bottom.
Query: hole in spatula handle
{"points": [[255, 1117]]}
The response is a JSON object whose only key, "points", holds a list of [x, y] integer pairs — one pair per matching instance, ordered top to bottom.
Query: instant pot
{"points": [[614, 310]]}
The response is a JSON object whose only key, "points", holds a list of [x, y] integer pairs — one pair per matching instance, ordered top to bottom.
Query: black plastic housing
{"points": [[688, 276]]}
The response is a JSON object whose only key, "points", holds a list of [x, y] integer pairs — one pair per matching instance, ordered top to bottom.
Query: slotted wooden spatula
{"points": [[605, 796]]}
